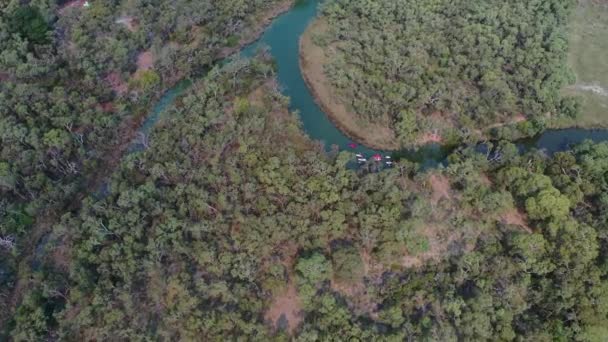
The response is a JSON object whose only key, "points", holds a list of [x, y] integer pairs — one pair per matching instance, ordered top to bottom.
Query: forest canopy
{"points": [[29, 23], [455, 68], [75, 83], [223, 221], [232, 223]]}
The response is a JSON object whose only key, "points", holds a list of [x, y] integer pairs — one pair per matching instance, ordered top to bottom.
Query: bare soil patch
{"points": [[145, 61], [312, 61], [116, 83], [259, 96], [107, 107], [519, 118], [287, 134], [485, 180], [440, 186], [516, 218], [61, 255], [371, 268], [358, 299], [285, 310]]}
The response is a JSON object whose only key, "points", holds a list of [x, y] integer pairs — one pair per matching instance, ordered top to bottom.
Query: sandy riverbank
{"points": [[312, 60]]}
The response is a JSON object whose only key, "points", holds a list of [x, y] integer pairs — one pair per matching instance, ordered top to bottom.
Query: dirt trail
{"points": [[594, 88], [517, 119], [442, 244]]}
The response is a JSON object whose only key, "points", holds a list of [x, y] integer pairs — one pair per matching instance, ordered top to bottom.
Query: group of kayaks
{"points": [[376, 157]]}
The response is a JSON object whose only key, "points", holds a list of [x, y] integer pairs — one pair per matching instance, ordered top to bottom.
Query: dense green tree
{"points": [[30, 24], [547, 204], [347, 264], [312, 272]]}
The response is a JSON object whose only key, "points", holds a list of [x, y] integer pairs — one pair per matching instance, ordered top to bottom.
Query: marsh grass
{"points": [[588, 57]]}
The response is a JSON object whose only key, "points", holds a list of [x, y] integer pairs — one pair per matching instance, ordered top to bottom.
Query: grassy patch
{"points": [[587, 57]]}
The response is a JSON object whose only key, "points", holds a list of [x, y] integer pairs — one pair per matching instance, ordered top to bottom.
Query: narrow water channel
{"points": [[282, 37]]}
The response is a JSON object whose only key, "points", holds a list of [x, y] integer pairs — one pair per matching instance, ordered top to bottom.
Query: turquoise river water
{"points": [[282, 37]]}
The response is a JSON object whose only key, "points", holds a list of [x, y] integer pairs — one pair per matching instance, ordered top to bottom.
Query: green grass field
{"points": [[588, 58]]}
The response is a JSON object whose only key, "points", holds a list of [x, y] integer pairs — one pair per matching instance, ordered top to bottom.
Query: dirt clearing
{"points": [[145, 61], [116, 83], [440, 186], [516, 218], [285, 311]]}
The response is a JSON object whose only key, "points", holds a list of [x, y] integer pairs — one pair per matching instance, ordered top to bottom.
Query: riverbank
{"points": [[261, 24], [588, 26], [312, 60]]}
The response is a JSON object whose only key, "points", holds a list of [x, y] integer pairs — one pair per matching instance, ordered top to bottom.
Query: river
{"points": [[283, 36]]}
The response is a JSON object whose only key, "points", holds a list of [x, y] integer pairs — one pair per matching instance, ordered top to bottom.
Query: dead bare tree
{"points": [[79, 137], [142, 139], [7, 242]]}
